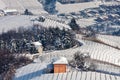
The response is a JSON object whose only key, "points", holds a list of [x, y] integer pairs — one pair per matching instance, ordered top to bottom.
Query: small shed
{"points": [[38, 46], [60, 66]]}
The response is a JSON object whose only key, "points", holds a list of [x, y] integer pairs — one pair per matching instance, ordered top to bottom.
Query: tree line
{"points": [[51, 38]]}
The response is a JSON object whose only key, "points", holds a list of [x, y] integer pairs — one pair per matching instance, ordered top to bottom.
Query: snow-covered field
{"points": [[2, 5], [32, 5], [37, 8], [68, 8], [14, 22], [85, 22], [110, 40], [97, 51], [30, 71], [34, 71], [78, 76]]}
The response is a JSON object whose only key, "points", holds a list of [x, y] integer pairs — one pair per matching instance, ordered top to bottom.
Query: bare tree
{"points": [[79, 60]]}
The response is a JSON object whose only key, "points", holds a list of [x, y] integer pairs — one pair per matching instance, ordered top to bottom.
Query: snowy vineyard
{"points": [[33, 5], [12, 22], [110, 40], [97, 51], [105, 57], [36, 72], [74, 75], [78, 76]]}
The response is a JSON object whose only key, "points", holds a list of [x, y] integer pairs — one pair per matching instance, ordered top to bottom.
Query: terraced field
{"points": [[32, 5], [17, 21], [110, 40], [36, 73]]}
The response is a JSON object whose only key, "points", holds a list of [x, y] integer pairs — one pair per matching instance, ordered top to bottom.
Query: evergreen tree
{"points": [[49, 6], [26, 12], [74, 25]]}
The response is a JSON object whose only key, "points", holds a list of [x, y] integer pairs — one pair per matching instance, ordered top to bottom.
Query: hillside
{"points": [[33, 5], [68, 8], [17, 21], [82, 38], [110, 40], [97, 52], [36, 72]]}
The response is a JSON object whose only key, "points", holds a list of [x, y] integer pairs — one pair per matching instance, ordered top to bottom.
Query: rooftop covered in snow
{"points": [[37, 43], [62, 60]]}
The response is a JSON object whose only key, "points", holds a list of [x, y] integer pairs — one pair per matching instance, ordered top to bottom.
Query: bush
{"points": [[79, 60]]}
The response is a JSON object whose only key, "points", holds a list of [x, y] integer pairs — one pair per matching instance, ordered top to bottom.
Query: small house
{"points": [[38, 46], [60, 66]]}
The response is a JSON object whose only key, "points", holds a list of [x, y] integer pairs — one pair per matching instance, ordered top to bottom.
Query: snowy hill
{"points": [[2, 5], [32, 5], [68, 8], [14, 22], [85, 22], [110, 40], [97, 51], [100, 52], [105, 57], [30, 71], [34, 71], [78, 76]]}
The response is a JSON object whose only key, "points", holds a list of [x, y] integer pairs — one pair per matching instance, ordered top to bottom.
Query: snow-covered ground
{"points": [[2, 5], [32, 5], [68, 8], [14, 22], [85, 22], [110, 40], [97, 51], [30, 71], [35, 73], [78, 76]]}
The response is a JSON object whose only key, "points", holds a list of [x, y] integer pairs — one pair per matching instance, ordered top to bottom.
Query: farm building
{"points": [[11, 12], [60, 66]]}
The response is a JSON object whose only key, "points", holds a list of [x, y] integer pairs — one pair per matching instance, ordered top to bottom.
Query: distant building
{"points": [[11, 12], [60, 66]]}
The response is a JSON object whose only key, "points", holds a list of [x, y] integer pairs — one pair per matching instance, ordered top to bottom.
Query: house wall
{"points": [[40, 50], [60, 68]]}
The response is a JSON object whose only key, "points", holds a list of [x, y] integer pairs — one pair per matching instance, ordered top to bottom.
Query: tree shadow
{"points": [[30, 75]]}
